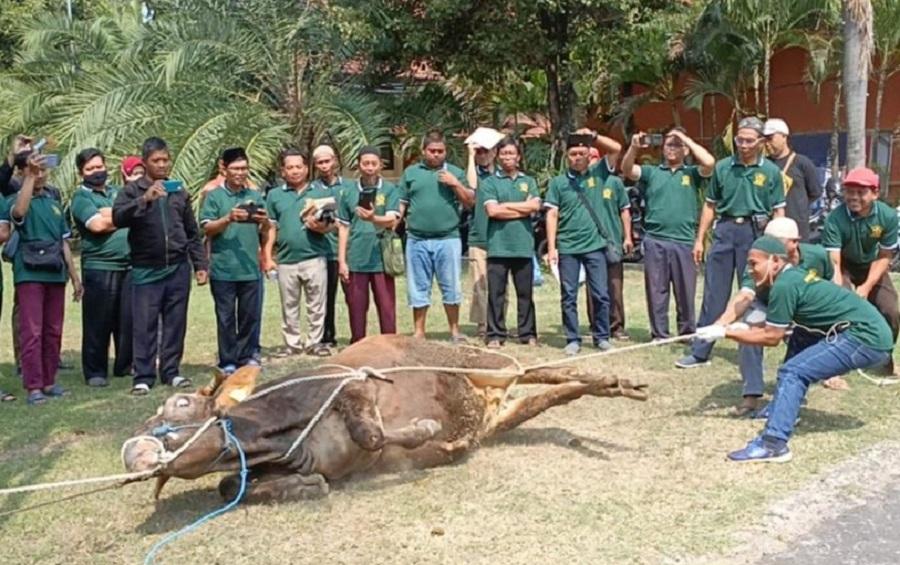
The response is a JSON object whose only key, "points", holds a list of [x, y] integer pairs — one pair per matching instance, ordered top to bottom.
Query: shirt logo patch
{"points": [[759, 179], [685, 181], [591, 183], [523, 187], [607, 194], [379, 199], [57, 211], [876, 231], [811, 276]]}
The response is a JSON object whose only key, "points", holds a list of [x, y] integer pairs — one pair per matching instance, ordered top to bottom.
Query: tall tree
{"points": [[857, 33], [887, 47]]}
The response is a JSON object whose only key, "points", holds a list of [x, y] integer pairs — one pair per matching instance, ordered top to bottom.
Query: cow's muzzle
{"points": [[142, 453]]}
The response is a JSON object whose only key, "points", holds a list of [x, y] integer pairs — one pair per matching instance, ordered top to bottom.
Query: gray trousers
{"points": [[724, 264], [669, 265], [311, 277]]}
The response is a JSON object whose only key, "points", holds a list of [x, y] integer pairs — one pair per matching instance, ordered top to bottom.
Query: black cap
{"points": [[580, 140], [369, 150], [233, 154]]}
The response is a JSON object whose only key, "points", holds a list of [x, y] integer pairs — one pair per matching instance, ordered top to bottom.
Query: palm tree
{"points": [[857, 33], [887, 46]]}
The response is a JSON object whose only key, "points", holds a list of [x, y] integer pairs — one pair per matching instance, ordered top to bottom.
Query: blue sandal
{"points": [[55, 391], [36, 398]]}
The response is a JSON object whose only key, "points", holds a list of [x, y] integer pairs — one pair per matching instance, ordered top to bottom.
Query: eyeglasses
{"points": [[745, 141]]}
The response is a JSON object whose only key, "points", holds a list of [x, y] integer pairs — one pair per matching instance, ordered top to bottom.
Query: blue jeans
{"points": [[427, 259], [595, 269], [811, 365]]}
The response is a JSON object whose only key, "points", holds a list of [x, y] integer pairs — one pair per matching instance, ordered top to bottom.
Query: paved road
{"points": [[867, 535]]}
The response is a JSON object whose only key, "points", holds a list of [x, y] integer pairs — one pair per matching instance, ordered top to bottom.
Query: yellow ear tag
{"points": [[237, 395]]}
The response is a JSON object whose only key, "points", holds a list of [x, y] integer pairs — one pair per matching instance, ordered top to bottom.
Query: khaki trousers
{"points": [[478, 267], [311, 277]]}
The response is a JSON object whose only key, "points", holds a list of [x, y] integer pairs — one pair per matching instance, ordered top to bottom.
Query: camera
{"points": [[652, 140], [252, 209], [325, 216]]}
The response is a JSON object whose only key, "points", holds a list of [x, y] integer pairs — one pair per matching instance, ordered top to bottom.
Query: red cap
{"points": [[129, 163], [861, 176]]}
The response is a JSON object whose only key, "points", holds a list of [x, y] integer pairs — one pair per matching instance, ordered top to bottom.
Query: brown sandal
{"points": [[7, 396]]}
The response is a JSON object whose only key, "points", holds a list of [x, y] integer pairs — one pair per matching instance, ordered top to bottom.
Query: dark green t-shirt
{"points": [[336, 189], [740, 190], [615, 199], [673, 202], [432, 209], [44, 221], [478, 229], [577, 232], [509, 238], [860, 238], [294, 242], [363, 246], [99, 251], [235, 251], [813, 259], [804, 298]]}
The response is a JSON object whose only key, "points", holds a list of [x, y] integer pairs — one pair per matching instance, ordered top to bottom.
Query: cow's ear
{"points": [[213, 387], [236, 387]]}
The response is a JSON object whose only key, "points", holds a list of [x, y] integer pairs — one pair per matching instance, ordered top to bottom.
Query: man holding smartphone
{"points": [[365, 212], [234, 219], [165, 242]]}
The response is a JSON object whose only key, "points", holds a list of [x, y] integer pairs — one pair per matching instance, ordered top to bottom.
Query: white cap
{"points": [[776, 125], [487, 138], [783, 228]]}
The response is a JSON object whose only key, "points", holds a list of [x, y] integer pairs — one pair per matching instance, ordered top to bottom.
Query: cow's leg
{"points": [[549, 376], [358, 405], [523, 409], [275, 487]]}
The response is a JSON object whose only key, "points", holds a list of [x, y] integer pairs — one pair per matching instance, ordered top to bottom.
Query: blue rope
{"points": [[232, 440]]}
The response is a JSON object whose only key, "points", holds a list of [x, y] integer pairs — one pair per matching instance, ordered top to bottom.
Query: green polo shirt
{"points": [[335, 190], [740, 190], [615, 199], [673, 202], [432, 209], [4, 219], [44, 221], [478, 229], [577, 232], [509, 238], [860, 238], [294, 242], [364, 245], [99, 251], [235, 251], [813, 259], [804, 298]]}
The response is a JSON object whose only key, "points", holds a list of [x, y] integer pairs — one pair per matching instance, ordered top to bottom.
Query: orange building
{"points": [[810, 121]]}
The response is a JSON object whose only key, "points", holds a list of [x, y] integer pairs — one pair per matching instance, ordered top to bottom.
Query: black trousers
{"points": [[669, 268], [498, 272], [165, 302], [106, 313], [237, 320], [329, 336]]}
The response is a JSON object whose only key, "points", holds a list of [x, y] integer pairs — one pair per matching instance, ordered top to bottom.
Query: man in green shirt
{"points": [[480, 167], [329, 181], [671, 191], [745, 192], [431, 194], [510, 198], [366, 212], [616, 216], [234, 219], [4, 237], [861, 237], [576, 238], [298, 252], [106, 272], [857, 337]]}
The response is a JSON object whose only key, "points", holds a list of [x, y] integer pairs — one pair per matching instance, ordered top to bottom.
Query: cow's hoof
{"points": [[433, 427], [229, 487]]}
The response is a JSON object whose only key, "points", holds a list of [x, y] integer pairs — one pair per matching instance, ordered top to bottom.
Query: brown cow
{"points": [[416, 419]]}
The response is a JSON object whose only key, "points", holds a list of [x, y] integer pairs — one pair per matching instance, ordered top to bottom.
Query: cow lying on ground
{"points": [[417, 419]]}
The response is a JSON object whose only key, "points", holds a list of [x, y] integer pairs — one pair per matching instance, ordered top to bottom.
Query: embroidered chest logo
{"points": [[759, 179], [686, 181], [591, 183], [523, 187], [607, 194], [379, 199], [57, 211], [876, 231], [811, 276]]}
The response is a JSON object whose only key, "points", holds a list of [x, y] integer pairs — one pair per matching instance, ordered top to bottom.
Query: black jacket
{"points": [[163, 232]]}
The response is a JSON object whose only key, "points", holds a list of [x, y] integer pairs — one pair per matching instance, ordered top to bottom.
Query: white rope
{"points": [[615, 351], [167, 458], [78, 482]]}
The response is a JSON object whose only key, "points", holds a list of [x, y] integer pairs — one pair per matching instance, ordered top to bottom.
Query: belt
{"points": [[736, 219]]}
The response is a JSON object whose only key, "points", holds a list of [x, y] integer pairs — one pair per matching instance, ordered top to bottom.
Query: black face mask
{"points": [[21, 159], [97, 179]]}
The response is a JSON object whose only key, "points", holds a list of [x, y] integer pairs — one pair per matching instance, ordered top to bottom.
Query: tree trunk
{"points": [[857, 37], [767, 77], [756, 89], [879, 96], [834, 155]]}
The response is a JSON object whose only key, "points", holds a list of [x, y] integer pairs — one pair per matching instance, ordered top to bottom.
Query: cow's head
{"points": [[181, 419]]}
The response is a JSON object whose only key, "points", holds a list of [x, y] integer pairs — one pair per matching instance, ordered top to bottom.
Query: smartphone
{"points": [[39, 145], [51, 160], [173, 185], [367, 198]]}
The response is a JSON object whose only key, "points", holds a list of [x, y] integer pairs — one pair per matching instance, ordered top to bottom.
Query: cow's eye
{"points": [[183, 402]]}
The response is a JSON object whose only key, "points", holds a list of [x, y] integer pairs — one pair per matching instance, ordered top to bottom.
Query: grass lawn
{"points": [[597, 481]]}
